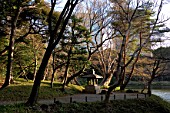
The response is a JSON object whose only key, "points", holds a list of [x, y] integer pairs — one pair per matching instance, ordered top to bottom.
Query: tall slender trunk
{"points": [[65, 16], [124, 63], [35, 66], [67, 68], [54, 69], [118, 72], [53, 73], [45, 74], [153, 75], [9, 77], [65, 78], [52, 79], [123, 86], [35, 89]]}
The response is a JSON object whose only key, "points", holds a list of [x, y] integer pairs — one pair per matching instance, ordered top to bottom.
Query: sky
{"points": [[164, 15]]}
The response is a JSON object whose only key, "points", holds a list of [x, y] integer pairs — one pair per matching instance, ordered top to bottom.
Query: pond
{"points": [[161, 89], [163, 93]]}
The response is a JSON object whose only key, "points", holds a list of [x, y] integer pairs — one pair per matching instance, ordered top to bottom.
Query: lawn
{"points": [[22, 88]]}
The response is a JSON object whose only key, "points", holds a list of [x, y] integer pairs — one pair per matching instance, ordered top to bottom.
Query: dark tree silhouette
{"points": [[56, 32]]}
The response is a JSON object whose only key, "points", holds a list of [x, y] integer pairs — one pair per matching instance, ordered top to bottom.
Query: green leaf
{"points": [[14, 7]]}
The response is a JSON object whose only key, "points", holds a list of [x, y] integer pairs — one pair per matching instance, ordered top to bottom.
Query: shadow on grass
{"points": [[55, 84], [21, 89], [22, 92], [15, 93]]}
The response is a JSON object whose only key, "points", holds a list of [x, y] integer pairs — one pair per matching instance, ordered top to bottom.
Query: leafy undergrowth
{"points": [[22, 89], [152, 104]]}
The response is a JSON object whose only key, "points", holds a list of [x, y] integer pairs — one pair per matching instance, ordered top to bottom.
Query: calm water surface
{"points": [[165, 94]]}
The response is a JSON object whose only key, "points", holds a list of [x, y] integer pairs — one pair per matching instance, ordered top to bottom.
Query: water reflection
{"points": [[165, 94]]}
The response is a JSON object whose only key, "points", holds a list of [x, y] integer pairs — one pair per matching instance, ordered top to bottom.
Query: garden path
{"points": [[84, 98]]}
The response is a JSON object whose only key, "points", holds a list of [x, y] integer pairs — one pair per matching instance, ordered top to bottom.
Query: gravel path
{"points": [[83, 98]]}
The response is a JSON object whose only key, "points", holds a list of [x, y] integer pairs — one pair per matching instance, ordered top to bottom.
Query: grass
{"points": [[22, 89], [72, 89], [153, 104]]}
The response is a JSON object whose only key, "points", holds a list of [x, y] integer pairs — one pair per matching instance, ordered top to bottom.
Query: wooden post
{"points": [[145, 95], [124, 96], [137, 96], [114, 97], [86, 98], [101, 98], [71, 99], [54, 100]]}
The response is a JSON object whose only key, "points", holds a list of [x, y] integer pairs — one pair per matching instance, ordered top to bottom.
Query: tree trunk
{"points": [[65, 16], [35, 66], [67, 67], [54, 69], [53, 73], [118, 73], [45, 74], [74, 75], [9, 77], [52, 79], [65, 79], [123, 79], [76, 81], [106, 81], [123, 86], [144, 87], [149, 88], [35, 89], [110, 90]]}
